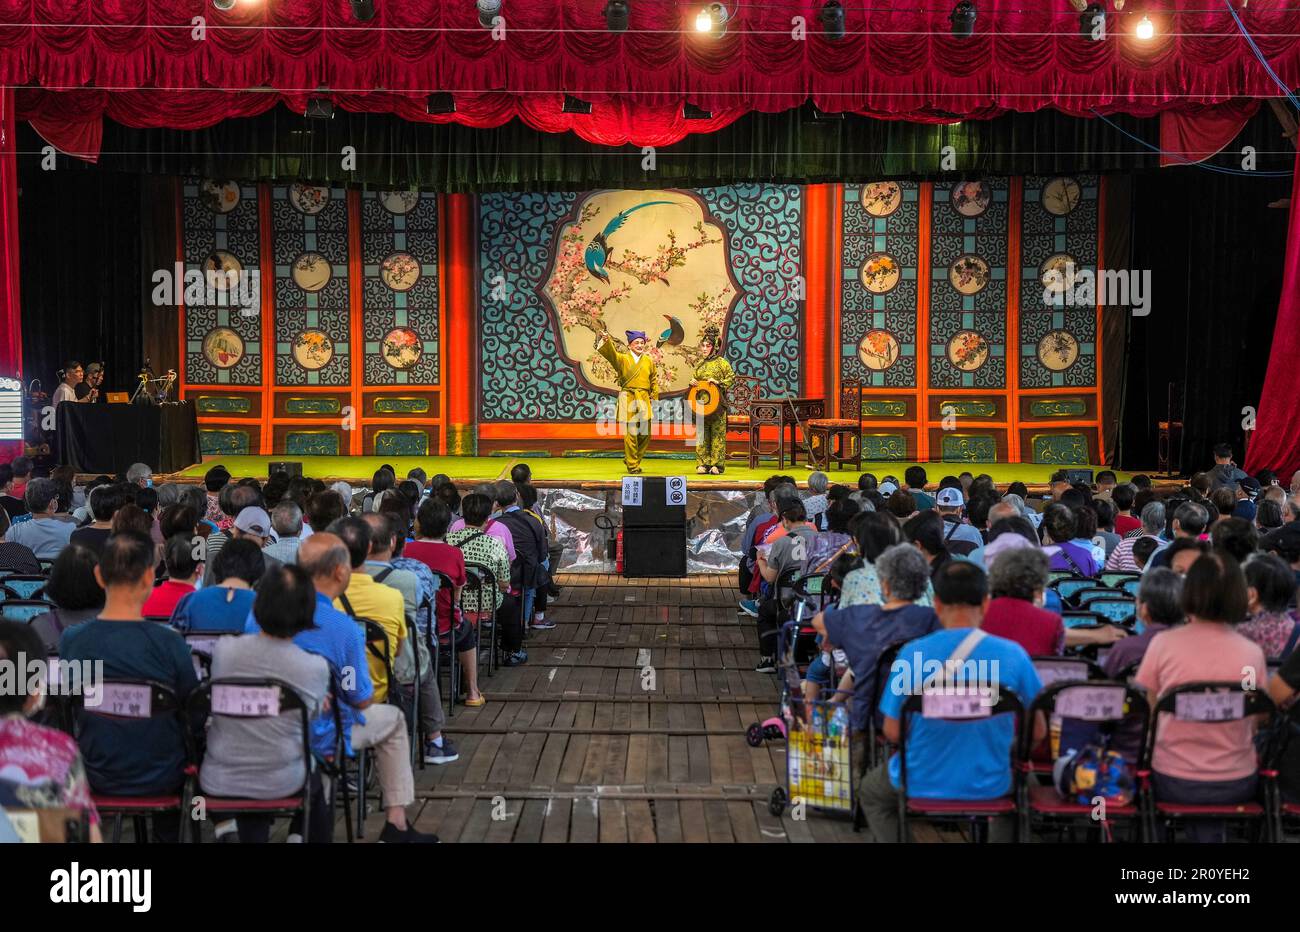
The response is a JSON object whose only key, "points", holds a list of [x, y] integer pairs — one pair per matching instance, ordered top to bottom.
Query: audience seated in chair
{"points": [[45, 534], [486, 549], [787, 553], [183, 572], [72, 588], [222, 606]]}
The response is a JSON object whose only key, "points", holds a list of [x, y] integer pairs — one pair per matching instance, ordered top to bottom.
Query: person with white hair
{"points": [[140, 474], [815, 503], [286, 521]]}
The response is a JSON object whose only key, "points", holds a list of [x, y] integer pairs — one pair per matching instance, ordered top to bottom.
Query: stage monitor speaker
{"points": [[289, 469], [1078, 475], [654, 510], [649, 551]]}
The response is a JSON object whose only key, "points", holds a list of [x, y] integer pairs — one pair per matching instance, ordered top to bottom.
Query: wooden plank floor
{"points": [[570, 747]]}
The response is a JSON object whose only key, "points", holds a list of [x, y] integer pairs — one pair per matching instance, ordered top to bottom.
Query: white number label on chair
{"points": [[202, 644], [1062, 672], [124, 700], [247, 701], [1091, 703], [955, 704], [1209, 707]]}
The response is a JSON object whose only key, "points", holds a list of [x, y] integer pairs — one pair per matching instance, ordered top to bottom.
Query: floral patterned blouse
{"points": [[480, 547], [862, 587], [1270, 630], [43, 767]]}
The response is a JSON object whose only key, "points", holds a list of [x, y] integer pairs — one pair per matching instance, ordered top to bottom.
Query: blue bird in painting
{"points": [[598, 251], [675, 333]]}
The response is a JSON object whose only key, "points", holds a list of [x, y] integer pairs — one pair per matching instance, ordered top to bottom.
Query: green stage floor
{"points": [[572, 470]]}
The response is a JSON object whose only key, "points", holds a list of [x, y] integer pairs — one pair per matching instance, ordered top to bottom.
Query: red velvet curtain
{"points": [[899, 63], [1195, 134], [11, 339], [1275, 443]]}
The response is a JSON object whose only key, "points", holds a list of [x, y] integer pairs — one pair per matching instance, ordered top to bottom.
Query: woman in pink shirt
{"points": [[1197, 762]]}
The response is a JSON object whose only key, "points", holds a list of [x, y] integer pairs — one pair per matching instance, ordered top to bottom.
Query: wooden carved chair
{"points": [[740, 410], [839, 439]]}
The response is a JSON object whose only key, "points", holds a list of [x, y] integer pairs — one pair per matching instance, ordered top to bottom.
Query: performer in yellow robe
{"points": [[639, 387], [711, 431]]}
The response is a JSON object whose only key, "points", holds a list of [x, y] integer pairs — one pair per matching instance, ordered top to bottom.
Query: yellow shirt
{"points": [[634, 374], [382, 604]]}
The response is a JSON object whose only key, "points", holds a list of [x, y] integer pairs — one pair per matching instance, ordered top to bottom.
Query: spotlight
{"points": [[224, 5], [363, 10], [488, 10], [616, 13], [963, 18], [712, 19], [833, 19], [1092, 23], [1145, 29], [439, 102], [575, 105], [319, 108], [692, 112]]}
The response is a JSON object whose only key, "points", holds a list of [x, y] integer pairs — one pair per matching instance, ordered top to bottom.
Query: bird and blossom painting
{"points": [[639, 260]]}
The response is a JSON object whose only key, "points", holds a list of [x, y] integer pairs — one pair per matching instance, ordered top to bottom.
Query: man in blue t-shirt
{"points": [[225, 607], [131, 756], [946, 759]]}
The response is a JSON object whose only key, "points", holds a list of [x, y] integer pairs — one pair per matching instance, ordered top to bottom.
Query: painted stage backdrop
{"points": [[947, 315]]}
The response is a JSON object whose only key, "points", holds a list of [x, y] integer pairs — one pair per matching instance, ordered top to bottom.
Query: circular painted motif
{"points": [[1061, 196], [220, 197], [308, 198], [881, 198], [971, 198], [399, 202], [221, 269], [311, 271], [400, 271], [880, 273], [1058, 273], [969, 275], [223, 347], [401, 348], [313, 349], [878, 350], [967, 350], [1059, 350]]}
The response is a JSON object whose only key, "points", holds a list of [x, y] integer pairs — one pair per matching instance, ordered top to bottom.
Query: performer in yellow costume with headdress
{"points": [[638, 387], [711, 430]]}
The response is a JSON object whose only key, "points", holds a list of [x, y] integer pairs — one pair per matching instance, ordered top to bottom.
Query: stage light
{"points": [[224, 5], [363, 10], [488, 10], [616, 13], [963, 18], [713, 19], [833, 19], [1092, 23], [1145, 29], [439, 102], [575, 105], [319, 108], [692, 112]]}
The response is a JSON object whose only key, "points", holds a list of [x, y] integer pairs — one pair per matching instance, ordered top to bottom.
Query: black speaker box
{"points": [[289, 469], [1078, 475], [654, 510], [654, 551]]}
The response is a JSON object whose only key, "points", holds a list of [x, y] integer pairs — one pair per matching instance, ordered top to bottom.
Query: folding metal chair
{"points": [[1120, 579], [481, 582], [1068, 585], [23, 586], [24, 610], [1117, 610], [247, 698], [125, 700], [1104, 703], [1209, 705], [960, 707]]}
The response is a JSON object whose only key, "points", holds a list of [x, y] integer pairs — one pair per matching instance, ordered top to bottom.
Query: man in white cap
{"points": [[638, 384], [950, 501], [252, 523]]}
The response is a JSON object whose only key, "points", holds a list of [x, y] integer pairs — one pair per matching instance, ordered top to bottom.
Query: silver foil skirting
{"points": [[715, 523]]}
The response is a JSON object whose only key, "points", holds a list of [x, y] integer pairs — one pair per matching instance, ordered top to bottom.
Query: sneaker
{"points": [[553, 591], [749, 607], [541, 624], [517, 659], [766, 664], [433, 754], [392, 835]]}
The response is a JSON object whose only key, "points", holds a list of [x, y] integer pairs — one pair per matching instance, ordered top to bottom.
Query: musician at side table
{"points": [[711, 430]]}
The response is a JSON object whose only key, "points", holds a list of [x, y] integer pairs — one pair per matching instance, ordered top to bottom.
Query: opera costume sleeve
{"points": [[621, 362], [716, 370]]}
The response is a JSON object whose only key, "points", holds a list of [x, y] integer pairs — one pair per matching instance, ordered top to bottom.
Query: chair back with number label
{"points": [[202, 644], [1062, 669], [249, 699], [1208, 704], [962, 705]]}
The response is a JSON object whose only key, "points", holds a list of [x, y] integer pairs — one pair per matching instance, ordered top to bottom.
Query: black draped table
{"points": [[108, 438]]}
